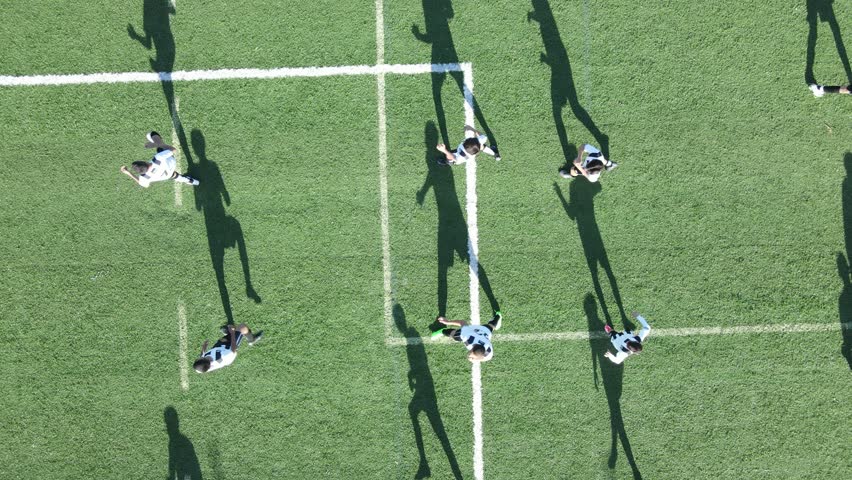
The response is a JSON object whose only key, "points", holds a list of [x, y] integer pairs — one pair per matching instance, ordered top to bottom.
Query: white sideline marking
{"points": [[228, 74], [176, 141], [383, 172], [473, 257], [656, 332], [184, 370]]}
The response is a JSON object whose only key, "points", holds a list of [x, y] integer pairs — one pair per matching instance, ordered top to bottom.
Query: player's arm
{"points": [[475, 132], [448, 154], [127, 172], [453, 323], [646, 329], [233, 336], [204, 348], [617, 358]]}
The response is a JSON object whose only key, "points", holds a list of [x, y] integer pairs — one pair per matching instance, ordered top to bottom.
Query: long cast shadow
{"points": [[824, 11], [437, 14], [157, 34], [562, 89], [581, 209], [452, 227], [223, 230], [844, 303], [612, 376], [423, 399], [183, 462]]}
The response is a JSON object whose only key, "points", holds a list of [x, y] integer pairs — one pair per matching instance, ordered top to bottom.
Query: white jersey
{"points": [[593, 154], [462, 156], [163, 166], [477, 335], [619, 340], [220, 356]]}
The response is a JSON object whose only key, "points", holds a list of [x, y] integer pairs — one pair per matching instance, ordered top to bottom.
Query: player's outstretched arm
{"points": [[448, 154], [125, 171], [454, 323], [646, 329], [233, 336], [204, 347]]}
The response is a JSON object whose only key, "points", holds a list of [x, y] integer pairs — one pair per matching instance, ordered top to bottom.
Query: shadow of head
{"points": [[199, 145], [172, 423]]}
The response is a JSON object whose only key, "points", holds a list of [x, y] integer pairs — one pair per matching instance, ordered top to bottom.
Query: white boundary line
{"points": [[228, 74], [383, 171], [473, 262], [657, 332], [184, 370]]}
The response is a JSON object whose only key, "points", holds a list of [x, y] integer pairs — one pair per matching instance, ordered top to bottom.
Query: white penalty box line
{"points": [[230, 74]]}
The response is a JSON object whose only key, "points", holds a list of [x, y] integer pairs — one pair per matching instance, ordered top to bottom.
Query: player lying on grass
{"points": [[820, 90], [474, 143], [162, 167], [590, 167], [477, 338], [626, 343], [224, 351]]}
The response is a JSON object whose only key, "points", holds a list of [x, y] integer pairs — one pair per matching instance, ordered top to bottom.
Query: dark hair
{"points": [[471, 146], [594, 166], [139, 167], [634, 347], [478, 351], [202, 365]]}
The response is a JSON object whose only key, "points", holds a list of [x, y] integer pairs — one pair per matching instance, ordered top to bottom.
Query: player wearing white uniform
{"points": [[474, 143], [162, 167], [590, 167], [477, 338], [627, 343], [224, 351]]}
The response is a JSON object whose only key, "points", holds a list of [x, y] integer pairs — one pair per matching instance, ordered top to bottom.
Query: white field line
{"points": [[228, 74], [176, 144], [383, 172], [473, 256], [656, 332], [184, 369]]}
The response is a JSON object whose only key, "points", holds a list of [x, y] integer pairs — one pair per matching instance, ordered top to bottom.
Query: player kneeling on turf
{"points": [[467, 150], [162, 167], [477, 338], [626, 343], [224, 352]]}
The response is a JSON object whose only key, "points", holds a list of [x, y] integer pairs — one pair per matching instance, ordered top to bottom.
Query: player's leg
{"points": [[185, 179], [495, 322], [246, 332]]}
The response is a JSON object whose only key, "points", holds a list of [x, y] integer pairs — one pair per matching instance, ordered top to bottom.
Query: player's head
{"points": [[471, 146], [594, 166], [140, 167], [634, 347], [476, 354], [202, 365]]}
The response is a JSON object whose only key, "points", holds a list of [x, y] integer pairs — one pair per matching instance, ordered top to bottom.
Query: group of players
{"points": [[590, 163]]}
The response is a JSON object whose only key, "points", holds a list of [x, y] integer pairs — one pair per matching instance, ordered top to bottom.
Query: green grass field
{"points": [[730, 208]]}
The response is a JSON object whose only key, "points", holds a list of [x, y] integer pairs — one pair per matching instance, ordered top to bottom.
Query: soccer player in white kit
{"points": [[820, 90], [474, 143], [162, 167], [590, 167], [477, 338], [627, 343], [224, 351]]}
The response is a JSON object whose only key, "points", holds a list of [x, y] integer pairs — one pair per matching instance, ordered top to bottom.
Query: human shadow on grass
{"points": [[823, 10], [437, 15], [157, 34], [562, 88], [581, 209], [452, 227], [223, 230], [844, 303], [611, 375], [424, 399], [183, 462]]}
